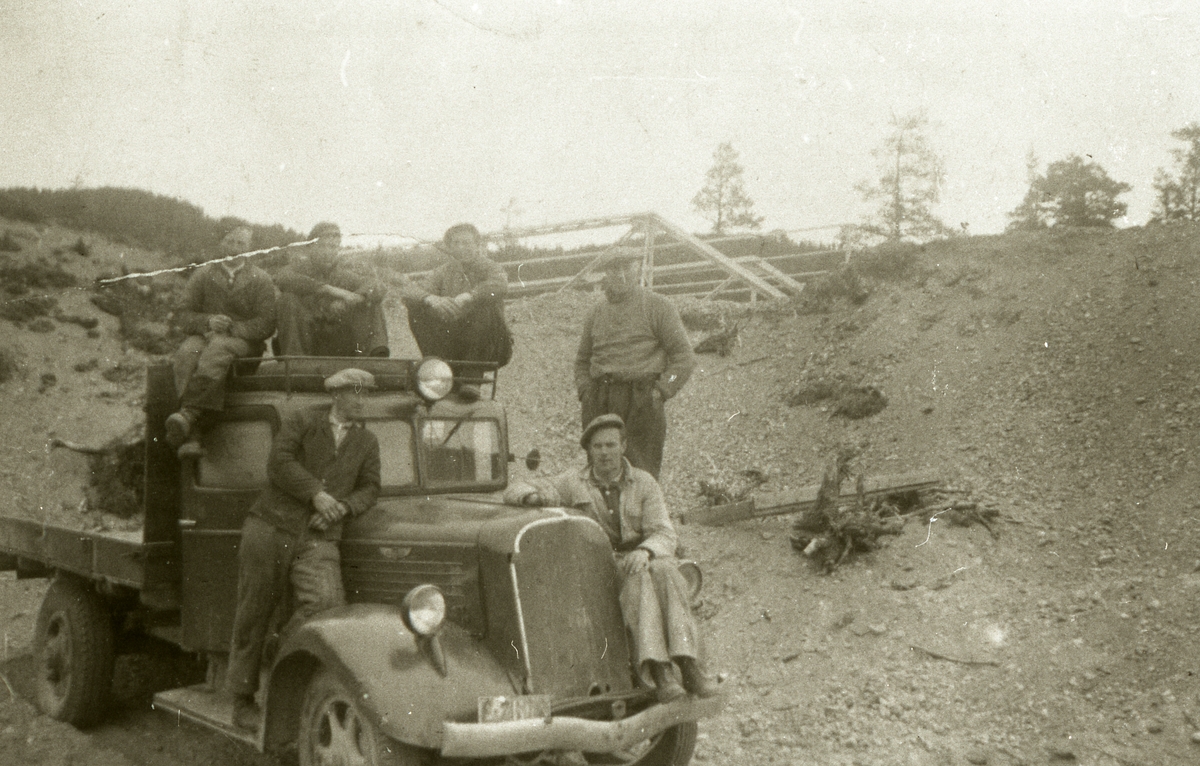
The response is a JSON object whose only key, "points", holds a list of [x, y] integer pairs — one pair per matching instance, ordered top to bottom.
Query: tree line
{"points": [[1073, 191], [137, 218]]}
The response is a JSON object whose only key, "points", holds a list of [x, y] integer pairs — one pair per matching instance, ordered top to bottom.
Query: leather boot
{"points": [[663, 674], [693, 680]]}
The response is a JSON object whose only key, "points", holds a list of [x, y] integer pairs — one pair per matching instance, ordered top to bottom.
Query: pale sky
{"points": [[405, 117]]}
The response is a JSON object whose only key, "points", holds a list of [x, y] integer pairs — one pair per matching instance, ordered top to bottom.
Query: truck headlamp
{"points": [[434, 379], [424, 610]]}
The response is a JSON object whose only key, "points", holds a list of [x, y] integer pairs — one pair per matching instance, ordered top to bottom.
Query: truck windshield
{"points": [[395, 451], [462, 452]]}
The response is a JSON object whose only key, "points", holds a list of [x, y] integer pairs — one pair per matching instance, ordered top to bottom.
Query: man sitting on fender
{"points": [[628, 504]]}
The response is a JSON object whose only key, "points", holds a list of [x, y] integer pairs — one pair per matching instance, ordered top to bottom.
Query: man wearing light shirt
{"points": [[324, 466]]}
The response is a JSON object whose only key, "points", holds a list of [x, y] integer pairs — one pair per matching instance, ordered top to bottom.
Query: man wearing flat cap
{"points": [[324, 308], [456, 312], [634, 355], [324, 466], [628, 504]]}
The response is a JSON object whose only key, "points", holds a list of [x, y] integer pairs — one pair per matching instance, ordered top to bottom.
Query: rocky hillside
{"points": [[1051, 378]]}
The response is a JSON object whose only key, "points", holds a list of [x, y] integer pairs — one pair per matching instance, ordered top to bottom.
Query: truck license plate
{"points": [[494, 709]]}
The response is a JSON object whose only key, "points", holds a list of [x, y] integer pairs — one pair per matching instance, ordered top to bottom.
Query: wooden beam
{"points": [[716, 256], [804, 499]]}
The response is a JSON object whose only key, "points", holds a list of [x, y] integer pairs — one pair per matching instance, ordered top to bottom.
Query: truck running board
{"points": [[211, 709]]}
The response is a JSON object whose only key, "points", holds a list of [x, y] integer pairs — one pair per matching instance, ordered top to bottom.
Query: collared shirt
{"points": [[232, 271], [339, 427], [611, 492]]}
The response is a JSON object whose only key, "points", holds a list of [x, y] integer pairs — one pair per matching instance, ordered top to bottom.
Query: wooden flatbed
{"points": [[34, 548]]}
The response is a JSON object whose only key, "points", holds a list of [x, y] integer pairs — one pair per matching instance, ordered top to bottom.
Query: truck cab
{"points": [[473, 630]]}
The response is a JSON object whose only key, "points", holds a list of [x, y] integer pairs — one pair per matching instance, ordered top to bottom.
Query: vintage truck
{"points": [[474, 631]]}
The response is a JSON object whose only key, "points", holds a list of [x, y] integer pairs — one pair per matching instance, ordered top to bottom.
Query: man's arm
{"points": [[494, 280], [189, 316], [261, 323], [673, 338], [284, 467], [367, 485], [658, 533]]}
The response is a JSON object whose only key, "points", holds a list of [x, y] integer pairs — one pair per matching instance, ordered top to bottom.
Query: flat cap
{"points": [[620, 254], [351, 377], [604, 421]]}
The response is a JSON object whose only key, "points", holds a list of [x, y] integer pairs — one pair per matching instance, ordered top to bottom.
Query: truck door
{"points": [[217, 490]]}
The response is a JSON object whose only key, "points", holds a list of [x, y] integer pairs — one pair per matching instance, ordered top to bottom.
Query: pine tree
{"points": [[909, 184], [1179, 195], [723, 198]]}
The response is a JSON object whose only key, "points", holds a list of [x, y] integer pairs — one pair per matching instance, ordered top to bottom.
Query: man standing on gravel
{"points": [[228, 311], [634, 355], [324, 466], [628, 504]]}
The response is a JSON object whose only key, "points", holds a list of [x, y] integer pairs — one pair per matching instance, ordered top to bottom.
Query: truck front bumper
{"points": [[480, 740]]}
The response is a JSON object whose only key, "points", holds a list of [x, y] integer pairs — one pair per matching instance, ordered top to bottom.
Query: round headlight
{"points": [[434, 379], [424, 610]]}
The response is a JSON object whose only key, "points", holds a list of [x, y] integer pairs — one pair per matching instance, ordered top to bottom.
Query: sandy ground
{"points": [[1051, 377]]}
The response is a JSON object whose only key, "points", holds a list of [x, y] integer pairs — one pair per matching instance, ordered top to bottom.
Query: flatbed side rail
{"points": [[294, 374], [113, 557]]}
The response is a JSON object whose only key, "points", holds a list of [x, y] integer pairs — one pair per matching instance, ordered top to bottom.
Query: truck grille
{"points": [[383, 572], [567, 590]]}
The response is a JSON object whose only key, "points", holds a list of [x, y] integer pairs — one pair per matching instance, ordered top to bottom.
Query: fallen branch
{"points": [[57, 442], [947, 658]]}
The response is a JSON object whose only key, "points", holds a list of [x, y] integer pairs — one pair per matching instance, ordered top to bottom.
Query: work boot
{"points": [[179, 426], [663, 674], [693, 680], [246, 714]]}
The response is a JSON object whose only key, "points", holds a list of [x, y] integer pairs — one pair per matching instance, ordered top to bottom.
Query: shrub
{"points": [[9, 243], [81, 248], [890, 263], [39, 275], [24, 309], [10, 365]]}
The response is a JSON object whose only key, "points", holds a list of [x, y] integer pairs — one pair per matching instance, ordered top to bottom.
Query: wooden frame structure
{"points": [[675, 262]]}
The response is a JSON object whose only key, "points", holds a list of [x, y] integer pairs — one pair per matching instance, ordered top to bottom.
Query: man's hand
{"points": [[462, 299], [445, 308], [220, 324], [657, 395], [533, 498], [329, 510], [635, 561]]}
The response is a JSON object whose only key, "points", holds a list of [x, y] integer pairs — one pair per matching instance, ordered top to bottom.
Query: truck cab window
{"points": [[462, 451], [395, 452], [235, 455]]}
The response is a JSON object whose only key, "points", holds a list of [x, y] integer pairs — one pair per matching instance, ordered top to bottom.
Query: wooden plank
{"points": [[716, 256], [784, 279], [805, 498], [205, 706]]}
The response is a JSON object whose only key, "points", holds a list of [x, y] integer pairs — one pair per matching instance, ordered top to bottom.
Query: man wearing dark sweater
{"points": [[324, 308], [228, 311], [634, 355], [324, 466]]}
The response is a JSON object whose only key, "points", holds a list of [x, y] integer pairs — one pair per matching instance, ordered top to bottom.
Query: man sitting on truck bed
{"points": [[324, 308], [228, 311], [324, 465], [628, 504]]}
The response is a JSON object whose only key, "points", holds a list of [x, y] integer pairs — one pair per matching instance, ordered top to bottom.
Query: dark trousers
{"points": [[304, 330], [480, 335], [201, 364], [645, 419], [272, 563]]}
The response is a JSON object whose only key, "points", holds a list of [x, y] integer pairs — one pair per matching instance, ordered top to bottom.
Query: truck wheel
{"points": [[73, 653], [335, 731], [672, 747]]}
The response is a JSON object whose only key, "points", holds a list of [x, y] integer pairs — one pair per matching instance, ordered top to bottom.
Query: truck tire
{"points": [[73, 653], [334, 729], [672, 747]]}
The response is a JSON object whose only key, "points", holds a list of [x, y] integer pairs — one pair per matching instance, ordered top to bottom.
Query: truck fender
{"points": [[389, 670]]}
